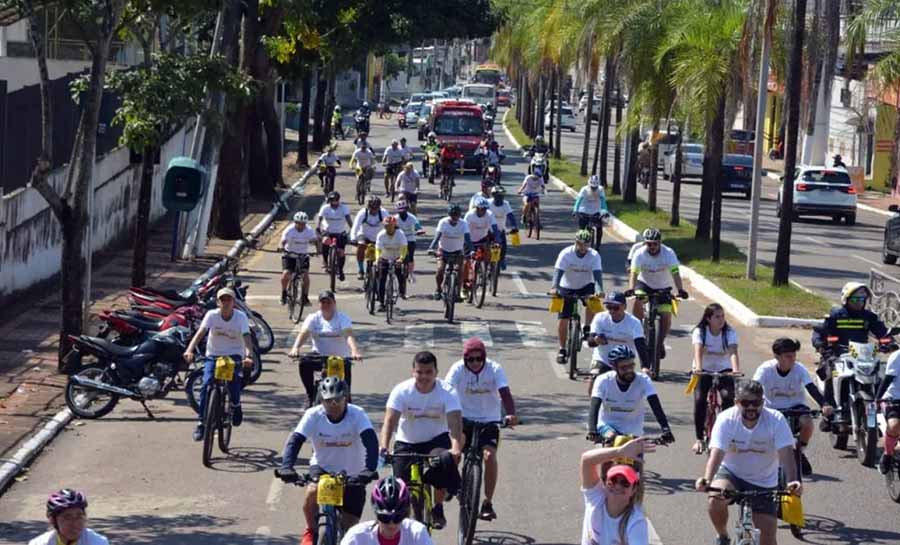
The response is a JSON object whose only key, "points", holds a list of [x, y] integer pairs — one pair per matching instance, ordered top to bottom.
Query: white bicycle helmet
{"points": [[594, 181], [301, 217], [850, 288]]}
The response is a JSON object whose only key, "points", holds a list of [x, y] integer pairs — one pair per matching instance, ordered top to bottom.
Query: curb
{"points": [[859, 205], [740, 311], [42, 437]]}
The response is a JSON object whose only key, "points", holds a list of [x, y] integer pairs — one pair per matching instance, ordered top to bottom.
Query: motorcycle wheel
{"points": [[263, 332], [81, 399], [866, 440], [892, 480]]}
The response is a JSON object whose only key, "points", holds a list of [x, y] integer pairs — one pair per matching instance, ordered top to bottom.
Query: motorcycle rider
{"points": [[337, 122], [431, 145], [540, 146], [491, 157], [393, 161], [838, 162], [849, 322]]}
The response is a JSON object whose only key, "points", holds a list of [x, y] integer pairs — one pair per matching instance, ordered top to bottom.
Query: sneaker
{"points": [[361, 275], [341, 276], [437, 296], [284, 298], [306, 301], [380, 307], [561, 356], [237, 415], [825, 425], [198, 433], [885, 464], [805, 466], [487, 511], [437, 517], [307, 538], [722, 540]]}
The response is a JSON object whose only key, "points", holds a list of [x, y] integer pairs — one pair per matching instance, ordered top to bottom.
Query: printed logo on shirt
{"points": [[756, 447]]}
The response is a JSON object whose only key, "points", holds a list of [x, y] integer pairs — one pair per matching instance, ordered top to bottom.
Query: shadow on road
{"points": [[824, 530], [506, 538]]}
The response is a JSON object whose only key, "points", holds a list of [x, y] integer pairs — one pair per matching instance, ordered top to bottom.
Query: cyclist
{"points": [[337, 121], [362, 141], [431, 145], [407, 151], [449, 156], [490, 156], [365, 158], [393, 159], [331, 162], [407, 185], [531, 189], [485, 193], [590, 203], [505, 219], [333, 221], [366, 227], [411, 227], [482, 228], [295, 239], [453, 239], [390, 245], [654, 268], [578, 274], [852, 321], [612, 328], [331, 333], [229, 337], [715, 351], [786, 383], [483, 390], [889, 391], [618, 400], [427, 416], [343, 441], [748, 443], [613, 492], [67, 515], [392, 525]]}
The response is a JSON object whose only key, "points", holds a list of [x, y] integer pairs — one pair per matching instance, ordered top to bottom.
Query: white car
{"points": [[412, 113], [567, 121], [665, 143], [691, 161], [822, 191]]}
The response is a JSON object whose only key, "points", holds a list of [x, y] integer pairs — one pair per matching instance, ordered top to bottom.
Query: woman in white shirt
{"points": [[715, 351], [613, 493], [67, 514]]}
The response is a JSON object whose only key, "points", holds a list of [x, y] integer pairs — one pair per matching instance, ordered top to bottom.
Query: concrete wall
{"points": [[21, 72], [30, 238]]}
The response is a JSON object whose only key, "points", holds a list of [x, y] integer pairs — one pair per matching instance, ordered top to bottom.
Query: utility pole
{"points": [[762, 88]]}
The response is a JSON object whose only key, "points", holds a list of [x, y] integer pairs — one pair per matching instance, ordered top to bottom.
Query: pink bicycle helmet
{"points": [[390, 497], [65, 499]]}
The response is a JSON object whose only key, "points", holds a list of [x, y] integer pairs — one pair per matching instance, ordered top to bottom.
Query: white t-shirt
{"points": [[393, 156], [364, 157], [329, 159], [407, 182], [532, 185], [475, 197], [589, 202], [501, 213], [334, 220], [367, 224], [409, 226], [480, 226], [453, 237], [293, 240], [390, 246], [635, 248], [655, 270], [578, 272], [623, 332], [328, 335], [226, 337], [716, 357], [893, 368], [783, 392], [479, 393], [624, 411], [422, 416], [336, 445], [752, 454], [599, 528], [412, 532], [87, 537]]}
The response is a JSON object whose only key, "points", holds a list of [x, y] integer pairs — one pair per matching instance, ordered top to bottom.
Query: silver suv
{"points": [[822, 191]]}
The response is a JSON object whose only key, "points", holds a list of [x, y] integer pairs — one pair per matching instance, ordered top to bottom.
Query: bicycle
{"points": [[327, 174], [390, 179], [447, 183], [363, 185], [533, 220], [595, 226], [331, 242], [496, 254], [481, 272], [370, 280], [450, 285], [391, 293], [295, 303], [653, 325], [573, 331], [327, 366], [713, 404], [217, 413], [793, 417], [892, 477], [470, 493], [421, 494], [330, 497], [745, 533]]}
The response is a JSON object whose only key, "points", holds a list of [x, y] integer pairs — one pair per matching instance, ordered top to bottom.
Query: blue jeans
{"points": [[234, 387]]}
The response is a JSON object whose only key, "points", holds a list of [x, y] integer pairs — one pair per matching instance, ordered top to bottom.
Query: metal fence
{"points": [[885, 298]]}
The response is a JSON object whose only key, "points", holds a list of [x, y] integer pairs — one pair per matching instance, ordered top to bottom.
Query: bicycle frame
{"points": [[653, 324], [421, 494]]}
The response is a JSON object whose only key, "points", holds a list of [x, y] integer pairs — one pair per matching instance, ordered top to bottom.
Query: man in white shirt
{"points": [[407, 151], [365, 158], [393, 160], [330, 161], [408, 185], [531, 190], [485, 193], [503, 213], [333, 222], [366, 227], [411, 227], [483, 230], [453, 238], [294, 243], [390, 246], [655, 268], [578, 274], [615, 327], [331, 333], [483, 391], [427, 416], [343, 441], [748, 444], [392, 525]]}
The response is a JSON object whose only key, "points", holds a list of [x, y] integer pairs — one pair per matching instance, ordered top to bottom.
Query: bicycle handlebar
{"points": [[315, 357], [716, 374], [427, 458], [306, 478], [728, 493]]}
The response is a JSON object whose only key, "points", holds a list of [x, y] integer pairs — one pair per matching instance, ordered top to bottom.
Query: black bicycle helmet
{"points": [[498, 191], [334, 196], [373, 200], [454, 210], [619, 353], [332, 387]]}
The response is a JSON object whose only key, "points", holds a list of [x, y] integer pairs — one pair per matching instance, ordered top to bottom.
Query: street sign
{"points": [[184, 184]]}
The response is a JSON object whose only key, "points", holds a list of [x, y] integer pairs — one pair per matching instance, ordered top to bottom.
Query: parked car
{"points": [[567, 119], [740, 142], [665, 143], [691, 161], [736, 175], [822, 191], [890, 247]]}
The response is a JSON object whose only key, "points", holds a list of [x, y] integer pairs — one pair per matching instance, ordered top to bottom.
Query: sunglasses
{"points": [[857, 299], [613, 307], [473, 359], [751, 402], [618, 481], [396, 518]]}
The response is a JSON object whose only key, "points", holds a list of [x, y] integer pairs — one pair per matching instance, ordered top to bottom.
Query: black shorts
{"points": [[410, 198], [586, 220], [340, 239], [410, 251], [455, 257], [289, 263], [570, 306], [892, 409], [794, 421], [489, 437], [439, 478], [354, 495], [763, 505]]}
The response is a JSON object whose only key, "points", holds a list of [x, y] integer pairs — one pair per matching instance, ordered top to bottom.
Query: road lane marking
{"points": [[819, 242], [869, 261], [881, 272], [520, 285], [478, 329], [533, 334], [418, 335], [273, 498], [262, 535]]}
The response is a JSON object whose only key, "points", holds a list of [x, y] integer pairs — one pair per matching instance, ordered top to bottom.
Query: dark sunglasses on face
{"points": [[652, 244], [857, 299], [473, 359], [751, 402], [618, 481], [396, 518]]}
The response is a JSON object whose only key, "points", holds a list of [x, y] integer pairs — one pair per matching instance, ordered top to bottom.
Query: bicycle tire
{"points": [[329, 184], [360, 190], [537, 222], [597, 237], [333, 267], [495, 278], [482, 279], [472, 282], [371, 291], [389, 296], [292, 298], [450, 299], [650, 334], [574, 344], [656, 370], [192, 385], [210, 423], [225, 428], [892, 480], [469, 503]]}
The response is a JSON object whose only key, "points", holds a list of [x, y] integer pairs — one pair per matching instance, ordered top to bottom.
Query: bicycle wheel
{"points": [[329, 184], [360, 191], [537, 223], [596, 237], [332, 267], [495, 278], [472, 282], [482, 283], [371, 289], [389, 296], [292, 299], [450, 299], [263, 332], [657, 342], [574, 343], [652, 355], [210, 422], [224, 431], [892, 480], [469, 502], [327, 532]]}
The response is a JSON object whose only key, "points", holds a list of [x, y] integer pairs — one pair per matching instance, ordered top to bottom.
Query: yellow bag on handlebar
{"points": [[514, 239], [370, 252], [495, 253], [556, 304], [594, 304], [675, 306], [334, 367], [224, 368], [692, 385], [619, 441], [330, 491], [792, 510]]}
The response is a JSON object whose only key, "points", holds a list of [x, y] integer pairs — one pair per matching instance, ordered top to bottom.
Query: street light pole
{"points": [[762, 89]]}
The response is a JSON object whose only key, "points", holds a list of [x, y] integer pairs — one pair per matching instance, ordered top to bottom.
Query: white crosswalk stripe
{"points": [[478, 329], [419, 335], [534, 335]]}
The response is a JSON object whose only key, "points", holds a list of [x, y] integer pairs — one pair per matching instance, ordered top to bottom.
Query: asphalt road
{"points": [[824, 256], [147, 485]]}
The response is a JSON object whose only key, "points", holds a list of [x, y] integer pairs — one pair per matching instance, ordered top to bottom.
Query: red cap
{"points": [[474, 344], [625, 471]]}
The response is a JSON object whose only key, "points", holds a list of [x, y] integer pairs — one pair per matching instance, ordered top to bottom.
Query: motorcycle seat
{"points": [[147, 324], [114, 349]]}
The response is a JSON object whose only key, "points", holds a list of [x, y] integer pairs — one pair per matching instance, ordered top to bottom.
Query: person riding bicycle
{"points": [[337, 121], [362, 141], [407, 151], [449, 157], [365, 158], [393, 160], [331, 162], [407, 185], [531, 189], [484, 193], [590, 203], [505, 219], [333, 221], [366, 227], [411, 227], [482, 230], [453, 238], [295, 239], [390, 245], [655, 268], [578, 274], [852, 321], [613, 328], [331, 334], [229, 337], [715, 351], [785, 383], [483, 391], [889, 394], [617, 400], [427, 416], [343, 442], [748, 444], [67, 515], [392, 525]]}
